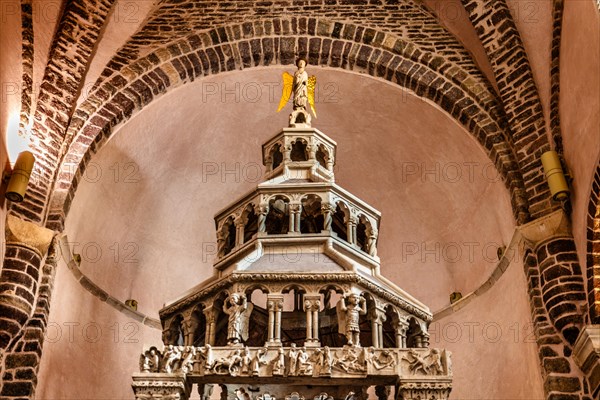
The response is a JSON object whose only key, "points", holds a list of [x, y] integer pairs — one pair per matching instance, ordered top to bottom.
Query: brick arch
{"points": [[278, 42], [593, 250]]}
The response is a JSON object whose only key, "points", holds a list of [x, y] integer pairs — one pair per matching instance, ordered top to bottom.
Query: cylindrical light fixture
{"points": [[555, 176], [19, 178]]}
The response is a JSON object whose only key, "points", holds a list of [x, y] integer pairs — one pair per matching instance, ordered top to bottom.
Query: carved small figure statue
{"points": [[303, 88], [262, 212], [221, 241], [372, 243], [349, 310], [239, 313], [171, 356], [293, 357], [187, 359], [150, 360], [246, 360], [257, 361], [327, 361], [279, 363], [416, 363], [435, 363], [231, 364], [303, 366]]}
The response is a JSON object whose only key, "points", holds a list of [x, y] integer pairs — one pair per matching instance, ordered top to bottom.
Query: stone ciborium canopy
{"points": [[297, 307]]}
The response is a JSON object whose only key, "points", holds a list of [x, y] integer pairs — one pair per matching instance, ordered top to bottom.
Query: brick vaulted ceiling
{"points": [[179, 41]]}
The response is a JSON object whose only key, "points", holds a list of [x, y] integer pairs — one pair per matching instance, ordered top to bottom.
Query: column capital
{"points": [[28, 234], [312, 304], [160, 386]]}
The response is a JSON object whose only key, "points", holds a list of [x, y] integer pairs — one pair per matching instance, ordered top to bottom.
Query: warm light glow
{"points": [[15, 143]]}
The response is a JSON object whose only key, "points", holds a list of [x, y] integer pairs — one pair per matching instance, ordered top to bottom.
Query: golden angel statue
{"points": [[303, 88]]}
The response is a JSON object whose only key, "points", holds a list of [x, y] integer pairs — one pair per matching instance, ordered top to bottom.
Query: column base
{"points": [[312, 343]]}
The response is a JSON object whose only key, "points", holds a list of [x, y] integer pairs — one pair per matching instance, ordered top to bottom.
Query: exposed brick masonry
{"points": [[557, 17], [176, 19], [496, 28], [324, 42], [69, 57], [27, 58], [593, 250], [561, 284], [18, 289], [22, 359], [560, 375]]}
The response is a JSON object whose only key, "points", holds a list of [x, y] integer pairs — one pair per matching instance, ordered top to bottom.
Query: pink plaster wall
{"points": [[580, 106], [153, 208], [493, 343]]}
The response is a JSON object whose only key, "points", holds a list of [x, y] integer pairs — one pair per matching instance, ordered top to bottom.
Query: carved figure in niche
{"points": [[327, 210], [262, 212], [277, 221], [221, 240], [372, 242], [238, 309], [349, 309], [171, 355], [293, 357], [187, 359], [150, 360], [246, 360], [351, 360], [257, 361], [416, 362], [232, 364], [278, 365], [303, 366], [323, 396]]}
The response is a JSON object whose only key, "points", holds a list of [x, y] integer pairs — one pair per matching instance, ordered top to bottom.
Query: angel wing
{"points": [[288, 82], [312, 84], [341, 315], [245, 317]]}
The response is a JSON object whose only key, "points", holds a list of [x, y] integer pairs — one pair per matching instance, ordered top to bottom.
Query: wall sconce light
{"points": [[555, 176], [18, 179], [455, 296], [131, 303]]}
